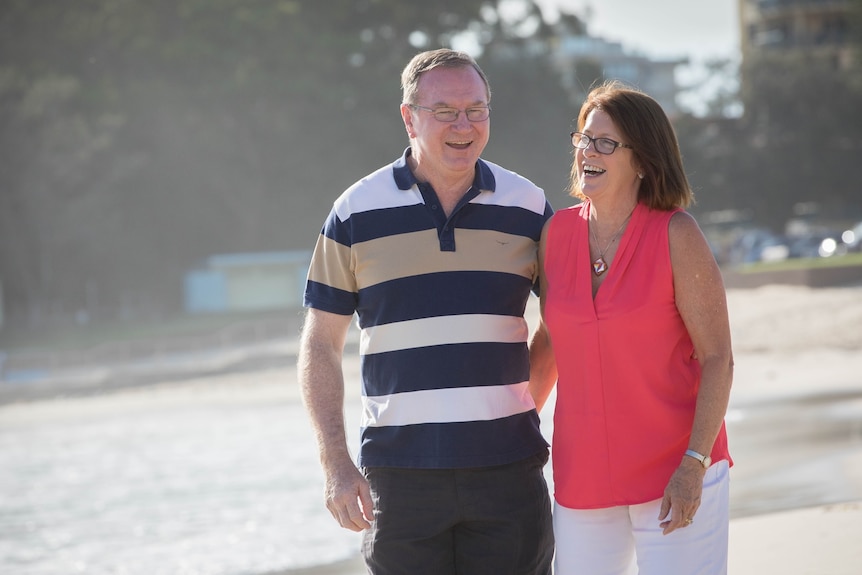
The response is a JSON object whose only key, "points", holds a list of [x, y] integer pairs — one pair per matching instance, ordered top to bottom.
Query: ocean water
{"points": [[220, 476], [196, 479]]}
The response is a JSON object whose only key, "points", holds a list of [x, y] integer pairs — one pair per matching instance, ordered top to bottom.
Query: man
{"points": [[436, 254]]}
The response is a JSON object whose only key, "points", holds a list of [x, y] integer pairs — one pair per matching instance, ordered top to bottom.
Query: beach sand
{"points": [[789, 342], [797, 342]]}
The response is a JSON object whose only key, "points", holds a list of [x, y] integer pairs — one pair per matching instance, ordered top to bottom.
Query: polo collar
{"points": [[483, 181]]}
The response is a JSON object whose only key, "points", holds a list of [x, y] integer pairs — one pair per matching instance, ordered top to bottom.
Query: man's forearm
{"points": [[543, 366], [321, 382]]}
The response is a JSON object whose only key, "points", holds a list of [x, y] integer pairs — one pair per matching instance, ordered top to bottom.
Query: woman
{"points": [[636, 311]]}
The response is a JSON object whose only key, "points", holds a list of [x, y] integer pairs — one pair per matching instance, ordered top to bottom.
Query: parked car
{"points": [[852, 238], [757, 244], [816, 245]]}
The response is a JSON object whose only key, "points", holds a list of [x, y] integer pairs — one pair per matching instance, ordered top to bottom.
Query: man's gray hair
{"points": [[424, 61]]}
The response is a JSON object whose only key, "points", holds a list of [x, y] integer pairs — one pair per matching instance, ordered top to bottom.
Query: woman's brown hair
{"points": [[643, 125]]}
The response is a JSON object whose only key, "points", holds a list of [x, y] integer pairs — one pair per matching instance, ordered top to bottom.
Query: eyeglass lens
{"points": [[451, 114], [478, 114], [601, 145]]}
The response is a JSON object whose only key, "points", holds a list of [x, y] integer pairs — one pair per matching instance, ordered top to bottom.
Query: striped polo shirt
{"points": [[440, 305]]}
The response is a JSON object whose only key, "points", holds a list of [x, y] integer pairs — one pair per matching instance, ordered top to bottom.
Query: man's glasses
{"points": [[477, 114], [601, 145]]}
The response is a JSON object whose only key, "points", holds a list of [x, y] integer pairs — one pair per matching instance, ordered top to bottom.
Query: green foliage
{"points": [[139, 137], [799, 140], [843, 261]]}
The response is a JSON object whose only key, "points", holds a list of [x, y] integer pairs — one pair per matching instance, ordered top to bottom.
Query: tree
{"points": [[804, 134], [140, 137], [798, 141]]}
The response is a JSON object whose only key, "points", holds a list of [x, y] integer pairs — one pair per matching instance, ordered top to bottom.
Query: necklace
{"points": [[600, 266]]}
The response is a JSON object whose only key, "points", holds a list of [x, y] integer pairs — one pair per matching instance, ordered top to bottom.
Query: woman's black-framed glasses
{"points": [[604, 146]]}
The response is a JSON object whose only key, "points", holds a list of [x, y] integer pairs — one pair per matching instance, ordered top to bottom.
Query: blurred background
{"points": [[142, 141], [166, 166]]}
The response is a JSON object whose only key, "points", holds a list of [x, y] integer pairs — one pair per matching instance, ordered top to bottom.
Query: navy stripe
{"points": [[512, 220], [380, 223], [373, 224], [364, 226], [336, 230], [445, 293], [328, 298], [445, 366], [453, 445]]}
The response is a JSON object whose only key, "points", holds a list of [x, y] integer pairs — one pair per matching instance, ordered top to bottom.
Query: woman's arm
{"points": [[702, 303]]}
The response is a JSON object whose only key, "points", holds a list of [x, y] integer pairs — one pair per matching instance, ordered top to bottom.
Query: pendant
{"points": [[600, 266]]}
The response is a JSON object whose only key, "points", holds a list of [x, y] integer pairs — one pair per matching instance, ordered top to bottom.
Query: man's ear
{"points": [[407, 116]]}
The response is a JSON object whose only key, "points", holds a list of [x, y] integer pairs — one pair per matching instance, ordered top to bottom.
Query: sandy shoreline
{"points": [[789, 342], [813, 541]]}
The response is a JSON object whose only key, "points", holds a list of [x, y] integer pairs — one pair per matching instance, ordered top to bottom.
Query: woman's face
{"points": [[605, 174]]}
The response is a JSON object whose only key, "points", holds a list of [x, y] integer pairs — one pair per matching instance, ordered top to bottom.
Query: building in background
{"points": [[816, 27], [580, 59], [247, 282]]}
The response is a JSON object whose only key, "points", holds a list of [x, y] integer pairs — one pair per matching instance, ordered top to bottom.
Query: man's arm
{"points": [[543, 366], [321, 379]]}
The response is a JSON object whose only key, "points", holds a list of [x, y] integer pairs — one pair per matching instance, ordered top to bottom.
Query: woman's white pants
{"points": [[627, 540]]}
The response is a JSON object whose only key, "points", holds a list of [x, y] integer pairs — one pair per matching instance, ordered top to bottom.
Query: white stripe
{"points": [[512, 190], [376, 191], [450, 329], [447, 405]]}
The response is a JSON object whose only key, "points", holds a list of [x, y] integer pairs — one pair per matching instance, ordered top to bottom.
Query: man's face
{"points": [[447, 149]]}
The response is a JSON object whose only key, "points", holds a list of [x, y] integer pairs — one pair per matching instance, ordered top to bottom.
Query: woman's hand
{"points": [[682, 496]]}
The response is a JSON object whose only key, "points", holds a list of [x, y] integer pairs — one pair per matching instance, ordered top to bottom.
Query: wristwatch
{"points": [[705, 460]]}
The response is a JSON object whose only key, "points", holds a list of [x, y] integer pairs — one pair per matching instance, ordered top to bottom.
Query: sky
{"points": [[697, 29]]}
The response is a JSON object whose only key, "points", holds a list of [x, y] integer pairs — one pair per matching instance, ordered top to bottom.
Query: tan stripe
{"points": [[417, 253], [330, 265]]}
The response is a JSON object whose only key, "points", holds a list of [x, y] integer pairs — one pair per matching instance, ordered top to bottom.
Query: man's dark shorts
{"points": [[494, 520]]}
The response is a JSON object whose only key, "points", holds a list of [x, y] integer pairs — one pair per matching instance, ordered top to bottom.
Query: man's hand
{"points": [[348, 497]]}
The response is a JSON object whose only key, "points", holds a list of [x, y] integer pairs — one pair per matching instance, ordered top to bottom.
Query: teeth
{"points": [[593, 169]]}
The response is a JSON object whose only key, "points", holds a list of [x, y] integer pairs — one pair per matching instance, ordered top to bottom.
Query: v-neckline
{"points": [[621, 257]]}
